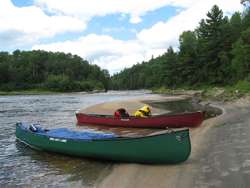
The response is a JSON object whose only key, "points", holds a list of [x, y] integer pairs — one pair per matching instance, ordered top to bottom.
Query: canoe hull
{"points": [[160, 121], [166, 148]]}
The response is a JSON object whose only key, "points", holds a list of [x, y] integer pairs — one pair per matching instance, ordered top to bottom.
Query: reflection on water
{"points": [[187, 105], [177, 106], [21, 166], [58, 169]]}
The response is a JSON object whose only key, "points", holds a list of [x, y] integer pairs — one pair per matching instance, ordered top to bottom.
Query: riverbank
{"points": [[27, 92], [44, 92], [228, 93], [133, 104], [210, 164]]}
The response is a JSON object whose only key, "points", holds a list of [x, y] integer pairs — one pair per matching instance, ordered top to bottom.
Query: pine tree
{"points": [[211, 45], [188, 58], [241, 60]]}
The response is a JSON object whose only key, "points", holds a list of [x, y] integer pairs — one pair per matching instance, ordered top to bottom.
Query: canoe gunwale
{"points": [[134, 117], [190, 119], [119, 138], [165, 148]]}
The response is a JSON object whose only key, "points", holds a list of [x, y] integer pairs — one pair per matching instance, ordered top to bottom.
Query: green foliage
{"points": [[213, 47], [216, 54], [241, 59], [24, 70], [59, 83], [243, 86]]}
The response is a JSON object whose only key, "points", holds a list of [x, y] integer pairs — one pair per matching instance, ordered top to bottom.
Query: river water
{"points": [[21, 166]]}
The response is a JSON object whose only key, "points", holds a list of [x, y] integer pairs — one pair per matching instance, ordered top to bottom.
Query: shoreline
{"points": [[45, 92], [132, 105], [123, 175], [140, 175]]}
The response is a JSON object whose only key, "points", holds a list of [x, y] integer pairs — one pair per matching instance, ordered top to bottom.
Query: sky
{"points": [[114, 34]]}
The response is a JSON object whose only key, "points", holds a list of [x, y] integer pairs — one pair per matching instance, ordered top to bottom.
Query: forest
{"points": [[216, 53], [49, 71]]}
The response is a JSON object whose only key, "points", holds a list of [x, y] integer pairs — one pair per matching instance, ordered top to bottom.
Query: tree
{"points": [[245, 2], [246, 19], [236, 27], [211, 42], [241, 53], [188, 57], [4, 67], [170, 67], [53, 71], [106, 79]]}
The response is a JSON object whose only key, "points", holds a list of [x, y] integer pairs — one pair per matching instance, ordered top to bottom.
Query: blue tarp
{"points": [[65, 133], [86, 135]]}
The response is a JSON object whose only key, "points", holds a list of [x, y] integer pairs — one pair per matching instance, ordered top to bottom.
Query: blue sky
{"points": [[22, 3], [115, 25], [119, 26], [113, 34]]}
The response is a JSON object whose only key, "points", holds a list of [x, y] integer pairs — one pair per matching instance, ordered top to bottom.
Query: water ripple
{"points": [[23, 167]]}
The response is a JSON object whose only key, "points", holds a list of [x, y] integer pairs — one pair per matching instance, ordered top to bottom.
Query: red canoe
{"points": [[192, 119]]}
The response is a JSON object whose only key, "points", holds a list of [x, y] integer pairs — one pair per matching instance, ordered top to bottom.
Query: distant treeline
{"points": [[217, 53], [24, 70]]}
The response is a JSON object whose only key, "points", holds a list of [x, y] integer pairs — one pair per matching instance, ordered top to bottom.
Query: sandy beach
{"points": [[132, 105], [220, 154]]}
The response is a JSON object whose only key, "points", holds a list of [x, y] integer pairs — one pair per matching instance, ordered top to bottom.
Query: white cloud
{"points": [[86, 9], [135, 19], [28, 24], [167, 33], [103, 50], [115, 55]]}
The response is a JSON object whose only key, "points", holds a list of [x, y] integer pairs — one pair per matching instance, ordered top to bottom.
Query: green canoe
{"points": [[168, 148]]}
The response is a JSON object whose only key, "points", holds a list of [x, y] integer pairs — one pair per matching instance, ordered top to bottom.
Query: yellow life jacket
{"points": [[143, 112]]}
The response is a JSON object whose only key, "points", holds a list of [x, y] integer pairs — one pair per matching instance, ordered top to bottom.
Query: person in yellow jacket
{"points": [[143, 112]]}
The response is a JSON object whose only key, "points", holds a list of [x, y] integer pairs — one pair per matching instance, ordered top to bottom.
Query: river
{"points": [[23, 167]]}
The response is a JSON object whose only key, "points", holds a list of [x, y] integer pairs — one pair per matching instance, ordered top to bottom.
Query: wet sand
{"points": [[131, 105], [220, 155]]}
